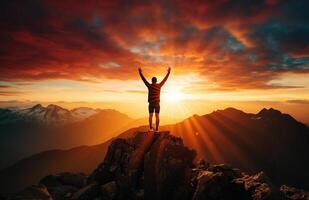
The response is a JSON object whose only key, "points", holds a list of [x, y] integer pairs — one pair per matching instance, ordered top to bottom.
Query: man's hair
{"points": [[154, 80]]}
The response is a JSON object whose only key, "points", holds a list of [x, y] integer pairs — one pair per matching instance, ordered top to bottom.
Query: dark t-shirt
{"points": [[154, 93]]}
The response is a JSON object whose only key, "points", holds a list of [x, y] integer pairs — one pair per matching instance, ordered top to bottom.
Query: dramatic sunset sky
{"points": [[244, 54]]}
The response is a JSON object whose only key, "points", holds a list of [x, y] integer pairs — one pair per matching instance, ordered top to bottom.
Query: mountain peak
{"points": [[53, 106], [37, 107], [230, 111], [269, 113], [158, 166]]}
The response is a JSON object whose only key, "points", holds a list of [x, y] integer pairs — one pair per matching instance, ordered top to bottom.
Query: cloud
{"points": [[235, 44], [5, 86], [10, 93], [298, 101]]}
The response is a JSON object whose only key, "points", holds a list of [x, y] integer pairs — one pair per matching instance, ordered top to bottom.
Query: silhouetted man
{"points": [[154, 96]]}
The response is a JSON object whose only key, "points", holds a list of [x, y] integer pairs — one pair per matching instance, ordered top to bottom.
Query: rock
{"points": [[115, 162], [124, 163], [130, 164], [202, 164], [157, 166], [167, 169], [227, 170], [73, 179], [50, 181], [222, 181], [63, 185], [218, 186], [260, 187], [109, 190], [90, 191], [35, 192], [63, 192], [292, 193], [140, 194]]}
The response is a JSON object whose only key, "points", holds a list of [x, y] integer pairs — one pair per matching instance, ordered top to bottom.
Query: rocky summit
{"points": [[158, 166]]}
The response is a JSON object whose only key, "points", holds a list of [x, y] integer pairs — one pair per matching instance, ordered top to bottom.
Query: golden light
{"points": [[174, 95]]}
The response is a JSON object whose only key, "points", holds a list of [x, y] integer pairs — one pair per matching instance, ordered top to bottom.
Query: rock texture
{"points": [[158, 166], [292, 193]]}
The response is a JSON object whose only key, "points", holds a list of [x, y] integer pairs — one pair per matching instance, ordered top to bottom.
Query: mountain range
{"points": [[52, 115], [38, 128], [28, 131], [269, 140]]}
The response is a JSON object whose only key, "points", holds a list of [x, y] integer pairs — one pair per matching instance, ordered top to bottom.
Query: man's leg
{"points": [[150, 110], [157, 110], [150, 120], [157, 121]]}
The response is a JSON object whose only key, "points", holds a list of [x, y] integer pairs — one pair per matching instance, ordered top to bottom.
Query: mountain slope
{"points": [[41, 128], [269, 141], [30, 170]]}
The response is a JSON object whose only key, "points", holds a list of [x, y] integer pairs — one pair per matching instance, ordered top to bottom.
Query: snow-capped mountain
{"points": [[52, 114]]}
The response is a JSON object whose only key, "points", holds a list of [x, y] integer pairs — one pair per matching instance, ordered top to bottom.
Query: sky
{"points": [[241, 53]]}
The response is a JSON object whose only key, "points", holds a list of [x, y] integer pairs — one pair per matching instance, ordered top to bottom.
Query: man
{"points": [[154, 96]]}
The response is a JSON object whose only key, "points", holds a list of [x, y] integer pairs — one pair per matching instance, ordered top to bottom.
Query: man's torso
{"points": [[154, 93]]}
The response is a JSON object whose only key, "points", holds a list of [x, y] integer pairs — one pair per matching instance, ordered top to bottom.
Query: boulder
{"points": [[115, 162], [124, 163], [167, 169], [227, 170], [73, 179], [220, 182], [63, 185], [217, 185], [260, 187], [90, 191], [109, 191], [35, 192], [63, 192], [292, 193]]}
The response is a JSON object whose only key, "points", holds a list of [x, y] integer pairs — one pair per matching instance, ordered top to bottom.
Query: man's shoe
{"points": [[151, 130], [156, 131]]}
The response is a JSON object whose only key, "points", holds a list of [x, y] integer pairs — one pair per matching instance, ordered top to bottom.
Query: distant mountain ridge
{"points": [[51, 115], [269, 140]]}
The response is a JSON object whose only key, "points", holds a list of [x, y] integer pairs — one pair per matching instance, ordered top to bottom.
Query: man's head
{"points": [[154, 80]]}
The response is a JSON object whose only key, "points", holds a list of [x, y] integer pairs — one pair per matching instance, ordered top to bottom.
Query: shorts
{"points": [[154, 107]]}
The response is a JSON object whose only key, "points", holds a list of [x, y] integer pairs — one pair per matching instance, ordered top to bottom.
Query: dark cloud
{"points": [[278, 37]]}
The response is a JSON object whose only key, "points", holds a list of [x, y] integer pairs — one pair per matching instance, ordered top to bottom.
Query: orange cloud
{"points": [[234, 44]]}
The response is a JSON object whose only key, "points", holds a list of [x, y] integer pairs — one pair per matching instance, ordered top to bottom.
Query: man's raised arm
{"points": [[142, 76], [166, 76]]}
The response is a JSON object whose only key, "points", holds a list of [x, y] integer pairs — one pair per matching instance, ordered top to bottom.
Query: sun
{"points": [[174, 95]]}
